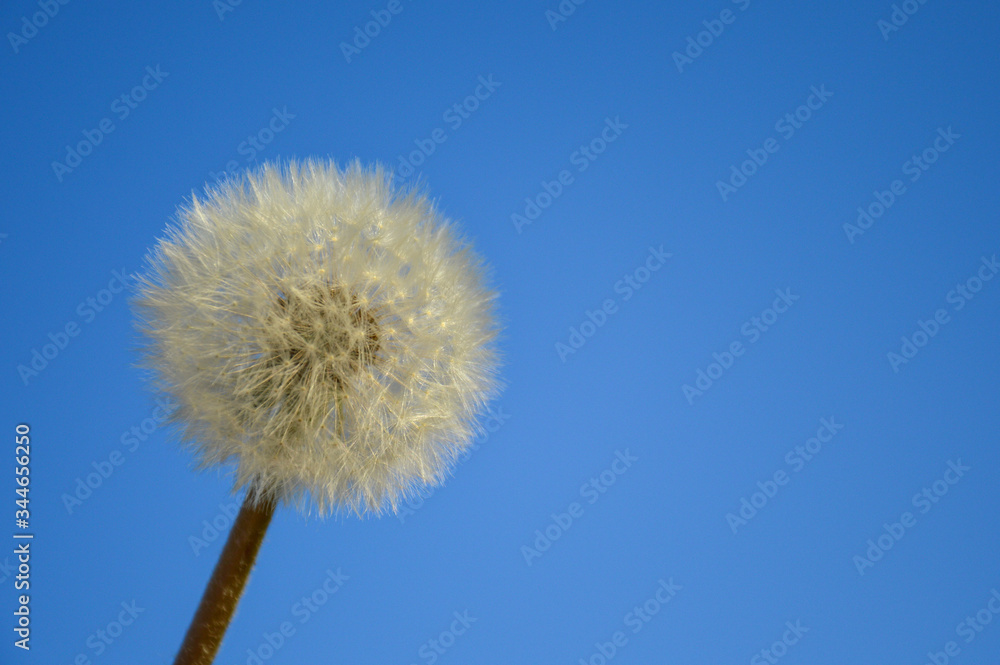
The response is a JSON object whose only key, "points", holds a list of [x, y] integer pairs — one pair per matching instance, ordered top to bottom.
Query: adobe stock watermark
{"points": [[223, 7], [562, 12], [898, 17], [29, 27], [363, 35], [697, 43], [122, 106], [454, 116], [786, 126], [255, 143], [581, 158], [914, 167], [626, 286], [958, 297], [87, 311], [752, 330], [491, 425], [130, 440], [796, 459], [592, 490], [923, 501], [211, 531], [302, 610], [635, 620], [973, 624], [968, 629], [101, 640], [434, 648], [779, 648]]}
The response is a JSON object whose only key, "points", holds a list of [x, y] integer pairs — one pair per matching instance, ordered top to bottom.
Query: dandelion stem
{"points": [[226, 585]]}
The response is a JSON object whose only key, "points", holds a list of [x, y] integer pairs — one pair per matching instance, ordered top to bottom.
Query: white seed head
{"points": [[330, 338]]}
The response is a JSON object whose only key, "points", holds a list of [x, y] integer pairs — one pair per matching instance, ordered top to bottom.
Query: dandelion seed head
{"points": [[329, 338]]}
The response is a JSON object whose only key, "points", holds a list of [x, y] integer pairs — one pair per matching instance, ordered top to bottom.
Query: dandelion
{"points": [[328, 338]]}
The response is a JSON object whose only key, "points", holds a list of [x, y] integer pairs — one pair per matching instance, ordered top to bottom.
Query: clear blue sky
{"points": [[688, 203]]}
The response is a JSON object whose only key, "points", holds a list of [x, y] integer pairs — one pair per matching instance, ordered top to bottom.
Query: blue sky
{"points": [[738, 417]]}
